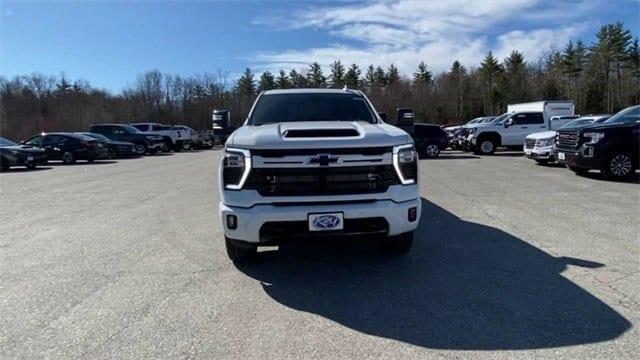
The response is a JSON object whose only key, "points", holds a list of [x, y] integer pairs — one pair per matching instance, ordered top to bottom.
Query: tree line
{"points": [[601, 77]]}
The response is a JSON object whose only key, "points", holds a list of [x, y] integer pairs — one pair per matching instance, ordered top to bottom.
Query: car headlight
{"points": [[472, 130], [594, 136], [545, 142], [405, 161], [236, 165]]}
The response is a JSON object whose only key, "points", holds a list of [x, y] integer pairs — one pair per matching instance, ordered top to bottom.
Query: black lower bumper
{"points": [[578, 159]]}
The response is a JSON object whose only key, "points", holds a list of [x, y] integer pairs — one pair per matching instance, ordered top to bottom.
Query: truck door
{"points": [[522, 125]]}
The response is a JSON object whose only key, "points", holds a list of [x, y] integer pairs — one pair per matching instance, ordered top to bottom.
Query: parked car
{"points": [[519, 121], [454, 132], [174, 139], [429, 139], [199, 140], [144, 143], [540, 146], [612, 146], [68, 147], [116, 149], [12, 154], [328, 156]]}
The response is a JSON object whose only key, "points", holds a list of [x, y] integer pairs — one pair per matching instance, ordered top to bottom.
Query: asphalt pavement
{"points": [[126, 259]]}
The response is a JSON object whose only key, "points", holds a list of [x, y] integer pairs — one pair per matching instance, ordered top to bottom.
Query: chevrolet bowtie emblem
{"points": [[323, 159]]}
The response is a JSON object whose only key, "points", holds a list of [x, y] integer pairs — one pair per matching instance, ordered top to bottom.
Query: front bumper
{"points": [[540, 153], [585, 157], [251, 220]]}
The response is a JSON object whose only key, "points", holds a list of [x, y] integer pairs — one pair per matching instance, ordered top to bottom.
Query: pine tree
{"points": [[610, 51], [634, 61], [490, 70], [337, 74], [457, 74], [393, 75], [352, 77], [369, 77], [379, 77], [422, 77], [516, 77], [315, 78], [297, 80], [267, 81], [282, 81], [246, 84]]}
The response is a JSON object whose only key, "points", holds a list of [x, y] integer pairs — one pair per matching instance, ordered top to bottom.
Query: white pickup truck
{"points": [[510, 129], [174, 139], [314, 164]]}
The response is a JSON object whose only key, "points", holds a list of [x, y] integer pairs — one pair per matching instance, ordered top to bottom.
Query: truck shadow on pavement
{"points": [[463, 286]]}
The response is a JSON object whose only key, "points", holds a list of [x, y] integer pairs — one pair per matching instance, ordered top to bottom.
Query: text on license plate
{"points": [[561, 156], [326, 221]]}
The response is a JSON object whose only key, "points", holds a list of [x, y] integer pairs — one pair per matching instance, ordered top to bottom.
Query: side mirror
{"points": [[383, 116], [508, 123]]}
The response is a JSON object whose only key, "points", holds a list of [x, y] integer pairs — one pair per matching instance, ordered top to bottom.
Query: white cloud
{"points": [[405, 32]]}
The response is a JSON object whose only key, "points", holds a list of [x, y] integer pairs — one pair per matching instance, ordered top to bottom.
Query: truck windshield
{"points": [[277, 108], [629, 115], [500, 118]]}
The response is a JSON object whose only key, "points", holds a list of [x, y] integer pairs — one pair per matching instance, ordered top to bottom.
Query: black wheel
{"points": [[166, 146], [187, 146], [485, 147], [140, 149], [432, 150], [68, 157], [542, 161], [4, 165], [31, 165], [619, 165], [577, 170], [399, 244], [240, 253]]}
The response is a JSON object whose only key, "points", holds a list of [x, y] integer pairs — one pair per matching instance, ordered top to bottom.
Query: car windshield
{"points": [[277, 108], [629, 115], [577, 122], [130, 129], [96, 136], [5, 142]]}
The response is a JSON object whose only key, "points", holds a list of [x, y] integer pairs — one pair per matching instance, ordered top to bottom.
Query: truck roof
{"points": [[310, 91]]}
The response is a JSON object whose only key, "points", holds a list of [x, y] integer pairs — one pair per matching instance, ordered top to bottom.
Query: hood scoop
{"points": [[320, 133]]}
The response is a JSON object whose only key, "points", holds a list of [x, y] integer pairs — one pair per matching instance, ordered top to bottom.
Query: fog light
{"points": [[412, 214], [232, 222]]}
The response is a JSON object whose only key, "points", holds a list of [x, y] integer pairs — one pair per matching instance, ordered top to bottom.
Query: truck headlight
{"points": [[471, 130], [594, 136], [545, 142], [405, 161], [236, 165]]}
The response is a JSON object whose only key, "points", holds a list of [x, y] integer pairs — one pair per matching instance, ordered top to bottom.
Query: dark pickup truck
{"points": [[429, 139], [143, 143], [613, 146]]}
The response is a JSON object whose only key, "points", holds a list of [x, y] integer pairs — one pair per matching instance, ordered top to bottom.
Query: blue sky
{"points": [[109, 43]]}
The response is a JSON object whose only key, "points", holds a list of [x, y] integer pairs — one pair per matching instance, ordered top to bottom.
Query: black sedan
{"points": [[69, 147], [116, 149], [12, 154]]}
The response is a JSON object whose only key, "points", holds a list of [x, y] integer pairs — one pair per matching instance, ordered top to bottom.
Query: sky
{"points": [[109, 43]]}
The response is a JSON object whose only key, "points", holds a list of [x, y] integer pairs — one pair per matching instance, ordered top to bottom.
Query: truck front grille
{"points": [[568, 140], [529, 143], [324, 180]]}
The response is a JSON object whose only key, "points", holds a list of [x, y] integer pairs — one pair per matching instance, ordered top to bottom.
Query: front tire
{"points": [[485, 147], [141, 149], [432, 151], [68, 158], [619, 165], [399, 244], [240, 253]]}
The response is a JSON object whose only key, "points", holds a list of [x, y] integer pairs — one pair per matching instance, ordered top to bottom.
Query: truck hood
{"points": [[481, 125], [317, 135], [542, 135]]}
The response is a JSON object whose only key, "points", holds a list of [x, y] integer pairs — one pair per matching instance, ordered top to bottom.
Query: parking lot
{"points": [[125, 259]]}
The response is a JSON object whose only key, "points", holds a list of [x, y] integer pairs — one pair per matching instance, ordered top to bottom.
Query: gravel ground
{"points": [[126, 260]]}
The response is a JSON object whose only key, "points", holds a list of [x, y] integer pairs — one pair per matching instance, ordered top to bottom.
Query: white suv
{"points": [[311, 164]]}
